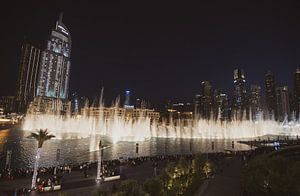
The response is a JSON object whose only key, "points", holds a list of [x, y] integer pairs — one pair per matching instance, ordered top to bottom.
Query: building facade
{"points": [[55, 64], [28, 75], [239, 93], [296, 93], [271, 94], [206, 98], [255, 102], [282, 102], [7, 103], [46, 105], [221, 106], [127, 113]]}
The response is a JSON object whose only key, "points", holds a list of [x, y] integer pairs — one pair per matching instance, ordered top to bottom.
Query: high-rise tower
{"points": [[55, 64], [28, 75], [239, 93], [271, 93], [127, 99], [206, 99], [255, 101], [296, 101], [282, 102], [221, 106]]}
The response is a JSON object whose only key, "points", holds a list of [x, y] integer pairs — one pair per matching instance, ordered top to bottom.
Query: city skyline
{"points": [[167, 69], [105, 98]]}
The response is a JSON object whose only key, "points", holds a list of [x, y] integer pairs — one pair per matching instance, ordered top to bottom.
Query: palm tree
{"points": [[41, 136]]}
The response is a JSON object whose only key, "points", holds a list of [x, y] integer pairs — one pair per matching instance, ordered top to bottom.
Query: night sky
{"points": [[159, 53]]}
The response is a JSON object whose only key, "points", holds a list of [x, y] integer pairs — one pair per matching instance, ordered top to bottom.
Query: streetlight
{"points": [[101, 148], [137, 149]]}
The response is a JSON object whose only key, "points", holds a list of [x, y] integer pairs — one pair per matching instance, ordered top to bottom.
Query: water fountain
{"points": [[120, 128]]}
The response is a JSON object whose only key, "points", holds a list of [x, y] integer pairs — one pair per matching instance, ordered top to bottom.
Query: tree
{"points": [[40, 136], [275, 175], [153, 186], [130, 188], [100, 193]]}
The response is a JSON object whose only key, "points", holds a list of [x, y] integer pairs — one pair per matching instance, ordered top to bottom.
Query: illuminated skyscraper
{"points": [[55, 64], [28, 75], [239, 93], [206, 94], [271, 94], [127, 99], [197, 100], [255, 101], [282, 102], [296, 102], [74, 103], [138, 103], [221, 106]]}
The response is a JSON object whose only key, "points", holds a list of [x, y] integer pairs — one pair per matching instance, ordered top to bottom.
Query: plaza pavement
{"points": [[224, 183], [76, 184]]}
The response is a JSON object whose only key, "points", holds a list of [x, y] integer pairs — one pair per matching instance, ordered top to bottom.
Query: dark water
{"points": [[78, 150]]}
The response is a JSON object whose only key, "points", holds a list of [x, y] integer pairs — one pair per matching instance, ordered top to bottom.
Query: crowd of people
{"points": [[111, 167], [11, 174], [53, 176]]}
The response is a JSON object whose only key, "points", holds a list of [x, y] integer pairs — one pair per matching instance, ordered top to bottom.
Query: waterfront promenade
{"points": [[225, 181], [76, 183]]}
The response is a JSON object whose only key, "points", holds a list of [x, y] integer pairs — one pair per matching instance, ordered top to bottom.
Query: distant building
{"points": [[55, 64], [28, 75], [239, 93], [296, 93], [127, 100], [197, 100], [205, 102], [255, 102], [271, 102], [282, 102], [7, 103], [138, 103], [75, 104], [42, 105], [221, 106], [164, 108], [181, 110], [2, 113], [127, 113]]}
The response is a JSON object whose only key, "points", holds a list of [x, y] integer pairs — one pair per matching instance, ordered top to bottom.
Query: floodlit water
{"points": [[119, 128], [78, 137], [78, 150]]}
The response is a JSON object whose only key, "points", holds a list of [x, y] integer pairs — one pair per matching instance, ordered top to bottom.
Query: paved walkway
{"points": [[226, 182]]}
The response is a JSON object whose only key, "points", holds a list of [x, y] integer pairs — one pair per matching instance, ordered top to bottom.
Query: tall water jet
{"points": [[116, 124]]}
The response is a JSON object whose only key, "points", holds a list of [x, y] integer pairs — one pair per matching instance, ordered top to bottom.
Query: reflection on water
{"points": [[3, 138], [77, 150]]}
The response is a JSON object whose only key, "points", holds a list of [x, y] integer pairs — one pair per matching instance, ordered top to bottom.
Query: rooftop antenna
{"points": [[60, 17]]}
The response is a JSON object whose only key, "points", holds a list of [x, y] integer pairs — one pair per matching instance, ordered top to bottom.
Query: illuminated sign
{"points": [[63, 29]]}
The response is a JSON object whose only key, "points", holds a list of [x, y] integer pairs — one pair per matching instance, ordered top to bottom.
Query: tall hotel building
{"points": [[55, 65]]}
